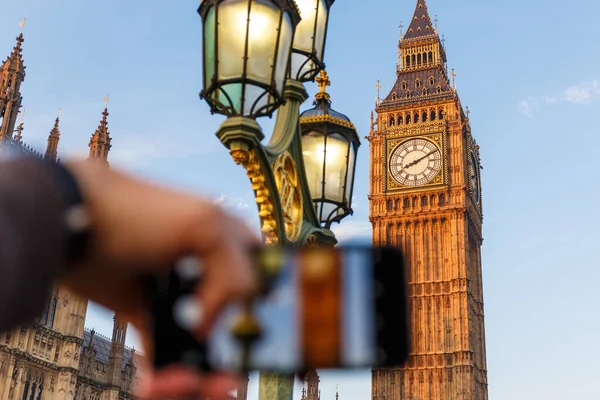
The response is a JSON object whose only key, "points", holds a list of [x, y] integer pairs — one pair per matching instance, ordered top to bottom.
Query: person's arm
{"points": [[32, 238]]}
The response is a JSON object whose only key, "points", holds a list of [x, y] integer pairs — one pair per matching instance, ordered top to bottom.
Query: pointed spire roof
{"points": [[420, 25], [15, 59], [55, 132], [102, 135], [53, 138]]}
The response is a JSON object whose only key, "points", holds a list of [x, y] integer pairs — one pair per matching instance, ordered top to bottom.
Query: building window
{"points": [[430, 57], [419, 59], [408, 61], [432, 81], [418, 83], [403, 85], [438, 89], [424, 91], [408, 94], [394, 96], [441, 115], [424, 116], [432, 116], [416, 117], [392, 121], [408, 121], [400, 122], [442, 200], [423, 201], [406, 203], [47, 318]]}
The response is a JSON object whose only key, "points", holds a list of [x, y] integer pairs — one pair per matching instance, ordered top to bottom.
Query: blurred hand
{"points": [[139, 228]]}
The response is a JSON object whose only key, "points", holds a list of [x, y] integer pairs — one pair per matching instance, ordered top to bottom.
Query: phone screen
{"points": [[318, 308], [319, 312]]}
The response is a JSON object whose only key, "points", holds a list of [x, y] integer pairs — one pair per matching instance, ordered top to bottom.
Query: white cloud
{"points": [[581, 93], [524, 107], [240, 203], [357, 230]]}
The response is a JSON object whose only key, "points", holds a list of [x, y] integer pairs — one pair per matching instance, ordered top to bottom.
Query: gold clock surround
{"points": [[438, 139]]}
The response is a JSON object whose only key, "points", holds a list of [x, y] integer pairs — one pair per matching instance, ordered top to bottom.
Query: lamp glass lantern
{"points": [[309, 40], [246, 54], [330, 162]]}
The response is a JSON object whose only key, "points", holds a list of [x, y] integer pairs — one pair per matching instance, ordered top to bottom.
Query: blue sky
{"points": [[528, 70]]}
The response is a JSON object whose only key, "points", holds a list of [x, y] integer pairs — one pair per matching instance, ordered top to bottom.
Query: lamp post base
{"points": [[276, 386]]}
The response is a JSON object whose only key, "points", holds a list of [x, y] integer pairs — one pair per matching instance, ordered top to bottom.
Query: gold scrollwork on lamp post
{"points": [[290, 192]]}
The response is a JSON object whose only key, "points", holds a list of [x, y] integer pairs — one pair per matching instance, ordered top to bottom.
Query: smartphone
{"points": [[322, 308]]}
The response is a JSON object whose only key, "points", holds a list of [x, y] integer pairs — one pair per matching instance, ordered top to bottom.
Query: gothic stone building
{"points": [[425, 197], [55, 357]]}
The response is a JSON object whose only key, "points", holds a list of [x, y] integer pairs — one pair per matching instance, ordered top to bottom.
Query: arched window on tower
{"points": [[430, 57], [419, 59], [413, 60], [407, 61], [432, 81], [418, 83], [403, 85], [438, 89], [424, 92], [408, 94], [394, 96], [441, 114], [424, 116], [432, 116], [416, 117], [408, 119], [400, 121], [392, 122], [442, 200], [423, 201], [406, 202], [414, 202], [396, 204], [389, 205], [49, 312], [27, 385]]}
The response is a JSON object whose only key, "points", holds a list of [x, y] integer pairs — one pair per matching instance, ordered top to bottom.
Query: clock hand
{"points": [[420, 159]]}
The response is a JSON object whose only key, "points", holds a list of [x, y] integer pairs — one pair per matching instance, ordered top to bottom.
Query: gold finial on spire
{"points": [[22, 25], [323, 81], [378, 86], [106, 99], [59, 111], [22, 115]]}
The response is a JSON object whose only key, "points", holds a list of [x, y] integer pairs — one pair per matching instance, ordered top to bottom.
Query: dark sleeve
{"points": [[32, 239]]}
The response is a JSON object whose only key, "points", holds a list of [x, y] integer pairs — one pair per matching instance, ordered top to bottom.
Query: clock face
{"points": [[415, 162], [474, 177]]}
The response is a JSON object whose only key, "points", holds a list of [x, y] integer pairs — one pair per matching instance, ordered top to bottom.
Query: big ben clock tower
{"points": [[425, 197]]}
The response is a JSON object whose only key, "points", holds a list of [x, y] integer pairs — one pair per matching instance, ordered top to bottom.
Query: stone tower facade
{"points": [[12, 75], [425, 197], [55, 357]]}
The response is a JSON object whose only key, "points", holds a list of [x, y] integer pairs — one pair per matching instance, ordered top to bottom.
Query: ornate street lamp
{"points": [[309, 44], [247, 45], [257, 54], [330, 143]]}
